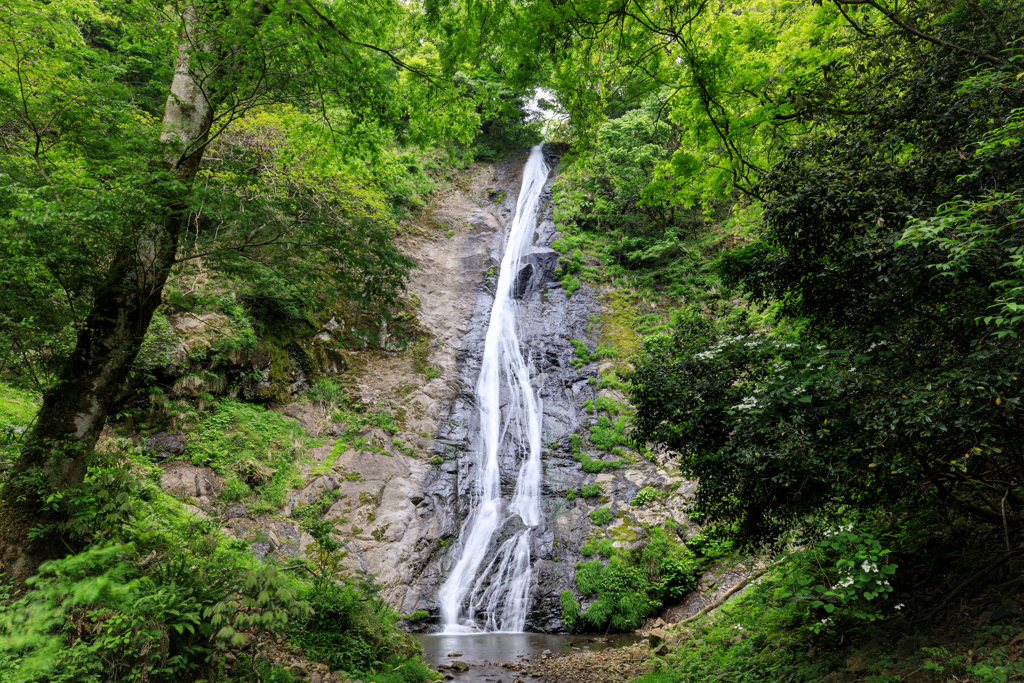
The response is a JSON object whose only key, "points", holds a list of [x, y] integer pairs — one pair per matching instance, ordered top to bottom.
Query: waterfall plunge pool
{"points": [[483, 652]]}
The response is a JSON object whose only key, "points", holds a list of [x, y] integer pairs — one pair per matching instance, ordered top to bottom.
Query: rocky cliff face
{"points": [[549, 319], [401, 498]]}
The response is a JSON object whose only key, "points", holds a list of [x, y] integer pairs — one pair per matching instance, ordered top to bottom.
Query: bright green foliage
{"points": [[504, 126], [299, 181], [570, 283], [581, 351], [326, 392], [605, 404], [17, 408], [383, 419], [239, 432], [606, 434], [253, 446], [437, 460], [590, 465], [590, 490], [648, 494], [601, 516], [602, 547], [849, 564], [633, 584], [623, 601], [266, 603], [161, 608], [570, 609], [418, 615], [349, 632], [28, 641], [773, 645]]}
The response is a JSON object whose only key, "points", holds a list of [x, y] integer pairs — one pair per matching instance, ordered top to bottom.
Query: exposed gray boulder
{"points": [[187, 482]]}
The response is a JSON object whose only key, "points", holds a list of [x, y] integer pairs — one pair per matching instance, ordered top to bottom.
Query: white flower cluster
{"points": [[720, 344], [874, 345], [819, 347], [797, 391], [747, 403], [848, 528], [869, 568], [845, 583], [900, 606]]}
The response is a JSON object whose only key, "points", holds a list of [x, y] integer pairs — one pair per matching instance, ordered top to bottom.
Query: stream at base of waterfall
{"points": [[496, 597]]}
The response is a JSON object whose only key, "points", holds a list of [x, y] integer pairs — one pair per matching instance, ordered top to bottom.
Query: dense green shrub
{"points": [[606, 434], [590, 465], [647, 494], [601, 516], [602, 547], [633, 583], [623, 600], [570, 609], [418, 615], [352, 630]]}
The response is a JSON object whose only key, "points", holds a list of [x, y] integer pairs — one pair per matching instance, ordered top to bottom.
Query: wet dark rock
{"points": [[524, 280], [165, 445], [459, 666]]}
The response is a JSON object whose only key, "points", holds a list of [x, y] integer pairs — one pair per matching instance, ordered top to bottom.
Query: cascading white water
{"points": [[504, 601]]}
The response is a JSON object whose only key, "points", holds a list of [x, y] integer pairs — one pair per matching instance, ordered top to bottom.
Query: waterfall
{"points": [[501, 591]]}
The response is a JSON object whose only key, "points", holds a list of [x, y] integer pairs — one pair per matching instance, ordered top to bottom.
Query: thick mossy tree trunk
{"points": [[56, 453]]}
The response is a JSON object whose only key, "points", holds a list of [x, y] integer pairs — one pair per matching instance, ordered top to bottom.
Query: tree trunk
{"points": [[57, 450]]}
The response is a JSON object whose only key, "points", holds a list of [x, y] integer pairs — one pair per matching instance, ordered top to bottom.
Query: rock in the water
{"points": [[460, 666]]}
